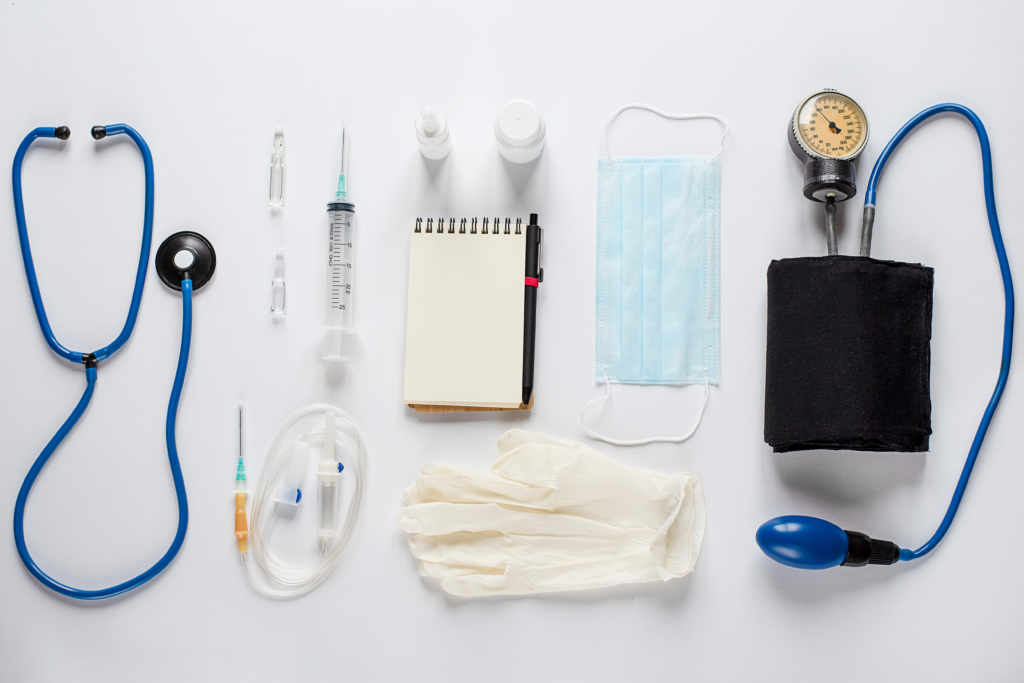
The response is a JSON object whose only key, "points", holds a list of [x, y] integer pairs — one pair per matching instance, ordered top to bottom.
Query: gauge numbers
{"points": [[832, 125]]}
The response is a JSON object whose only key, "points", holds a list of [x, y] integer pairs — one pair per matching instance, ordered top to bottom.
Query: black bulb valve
{"points": [[864, 550]]}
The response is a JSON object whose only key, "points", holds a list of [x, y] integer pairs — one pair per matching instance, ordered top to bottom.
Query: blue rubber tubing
{"points": [[26, 249], [1004, 269], [91, 374]]}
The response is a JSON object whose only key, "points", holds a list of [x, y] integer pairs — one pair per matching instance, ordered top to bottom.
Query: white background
{"points": [[207, 83]]}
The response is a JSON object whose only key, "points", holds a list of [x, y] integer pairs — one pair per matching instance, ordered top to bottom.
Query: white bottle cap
{"points": [[429, 120], [520, 132], [432, 133]]}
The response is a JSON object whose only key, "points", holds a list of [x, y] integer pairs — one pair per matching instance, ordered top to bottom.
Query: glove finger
{"points": [[515, 438], [549, 462], [579, 478], [432, 484], [455, 484], [438, 519], [459, 550], [491, 552], [581, 559], [474, 564], [437, 570], [546, 580], [479, 585]]}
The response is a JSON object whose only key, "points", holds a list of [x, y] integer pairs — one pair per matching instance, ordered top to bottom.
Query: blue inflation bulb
{"points": [[803, 542], [812, 543]]}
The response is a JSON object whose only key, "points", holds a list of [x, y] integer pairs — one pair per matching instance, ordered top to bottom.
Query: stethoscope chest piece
{"points": [[185, 253]]}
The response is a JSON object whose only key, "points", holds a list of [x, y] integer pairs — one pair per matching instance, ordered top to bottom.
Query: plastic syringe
{"points": [[341, 216]]}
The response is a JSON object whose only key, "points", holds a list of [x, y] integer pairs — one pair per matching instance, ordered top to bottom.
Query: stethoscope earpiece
{"points": [[63, 132], [185, 255]]}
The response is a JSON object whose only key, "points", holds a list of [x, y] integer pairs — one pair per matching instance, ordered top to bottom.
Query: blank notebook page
{"points": [[464, 331]]}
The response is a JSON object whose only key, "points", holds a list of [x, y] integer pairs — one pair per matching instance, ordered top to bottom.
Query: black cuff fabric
{"points": [[848, 355]]}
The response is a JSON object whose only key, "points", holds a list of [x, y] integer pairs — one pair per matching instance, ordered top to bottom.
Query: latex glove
{"points": [[552, 515]]}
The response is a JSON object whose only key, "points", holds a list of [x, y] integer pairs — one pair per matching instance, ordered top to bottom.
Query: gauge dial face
{"points": [[831, 125]]}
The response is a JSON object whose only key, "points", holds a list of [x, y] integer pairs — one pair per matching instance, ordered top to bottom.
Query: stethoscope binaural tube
{"points": [[98, 132], [90, 361]]}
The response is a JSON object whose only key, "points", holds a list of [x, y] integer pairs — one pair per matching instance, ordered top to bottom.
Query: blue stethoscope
{"points": [[185, 261], [813, 543]]}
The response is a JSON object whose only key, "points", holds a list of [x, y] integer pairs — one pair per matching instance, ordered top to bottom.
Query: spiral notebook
{"points": [[464, 329]]}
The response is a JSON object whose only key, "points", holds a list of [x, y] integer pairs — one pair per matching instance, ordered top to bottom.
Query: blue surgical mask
{"points": [[658, 270]]}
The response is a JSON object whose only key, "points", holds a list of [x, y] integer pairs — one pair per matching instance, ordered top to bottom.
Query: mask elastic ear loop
{"points": [[674, 117], [641, 442]]}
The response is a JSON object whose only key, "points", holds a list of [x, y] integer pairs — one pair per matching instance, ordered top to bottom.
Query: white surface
{"points": [[207, 84], [464, 330]]}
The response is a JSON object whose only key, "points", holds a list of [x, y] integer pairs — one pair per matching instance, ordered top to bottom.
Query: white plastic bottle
{"points": [[520, 132], [432, 133]]}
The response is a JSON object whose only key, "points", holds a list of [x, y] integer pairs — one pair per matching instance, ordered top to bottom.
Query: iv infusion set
{"points": [[828, 132], [341, 217]]}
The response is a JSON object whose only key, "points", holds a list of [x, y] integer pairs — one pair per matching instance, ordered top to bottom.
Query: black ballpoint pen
{"points": [[534, 276]]}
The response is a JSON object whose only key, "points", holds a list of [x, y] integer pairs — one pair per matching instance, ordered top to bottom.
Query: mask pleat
{"points": [[712, 183], [609, 268], [693, 270], [652, 271], [673, 288], [631, 361]]}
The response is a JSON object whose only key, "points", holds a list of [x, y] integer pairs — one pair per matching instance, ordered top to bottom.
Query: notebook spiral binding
{"points": [[484, 226]]}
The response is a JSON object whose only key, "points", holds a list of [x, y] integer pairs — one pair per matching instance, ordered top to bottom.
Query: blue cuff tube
{"points": [[1004, 270]]}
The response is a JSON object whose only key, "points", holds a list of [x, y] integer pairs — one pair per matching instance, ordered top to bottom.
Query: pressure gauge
{"points": [[830, 125], [828, 132]]}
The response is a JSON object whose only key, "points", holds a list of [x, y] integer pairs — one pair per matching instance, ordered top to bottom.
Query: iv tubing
{"points": [[1004, 269], [90, 374], [300, 580]]}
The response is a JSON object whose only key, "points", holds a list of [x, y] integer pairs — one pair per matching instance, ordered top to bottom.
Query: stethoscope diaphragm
{"points": [[185, 252]]}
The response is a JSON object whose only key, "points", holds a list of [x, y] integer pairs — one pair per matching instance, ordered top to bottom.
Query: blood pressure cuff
{"points": [[848, 356]]}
